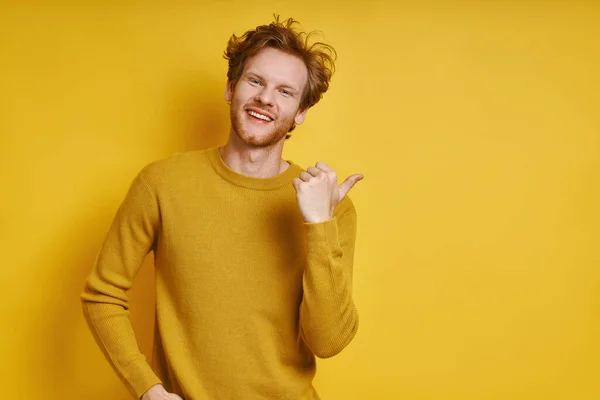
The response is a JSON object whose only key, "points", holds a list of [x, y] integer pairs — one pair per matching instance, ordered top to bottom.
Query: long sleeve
{"points": [[104, 299], [328, 316]]}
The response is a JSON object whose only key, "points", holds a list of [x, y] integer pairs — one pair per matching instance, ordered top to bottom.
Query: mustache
{"points": [[259, 107]]}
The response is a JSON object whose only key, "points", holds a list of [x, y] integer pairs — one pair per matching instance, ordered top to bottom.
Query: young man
{"points": [[253, 254]]}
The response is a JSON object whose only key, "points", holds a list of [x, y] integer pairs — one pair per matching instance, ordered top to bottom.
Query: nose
{"points": [[264, 96]]}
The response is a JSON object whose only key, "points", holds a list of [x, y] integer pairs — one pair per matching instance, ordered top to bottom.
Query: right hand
{"points": [[158, 392]]}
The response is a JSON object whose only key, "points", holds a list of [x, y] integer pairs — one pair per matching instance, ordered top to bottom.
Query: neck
{"points": [[258, 162]]}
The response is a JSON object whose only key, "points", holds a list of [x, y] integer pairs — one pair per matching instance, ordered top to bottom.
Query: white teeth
{"points": [[260, 116]]}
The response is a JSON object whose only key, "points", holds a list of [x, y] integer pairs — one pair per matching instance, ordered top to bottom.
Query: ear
{"points": [[228, 91], [299, 119]]}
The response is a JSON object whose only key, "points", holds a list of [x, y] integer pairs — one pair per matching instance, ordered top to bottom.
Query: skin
{"points": [[271, 84]]}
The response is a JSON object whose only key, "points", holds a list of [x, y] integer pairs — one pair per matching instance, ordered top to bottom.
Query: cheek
{"points": [[246, 92], [291, 108]]}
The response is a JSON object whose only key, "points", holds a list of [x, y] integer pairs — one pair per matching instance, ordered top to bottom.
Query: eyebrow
{"points": [[284, 85]]}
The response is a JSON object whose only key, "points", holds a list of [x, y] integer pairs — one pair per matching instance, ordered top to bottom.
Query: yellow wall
{"points": [[475, 123]]}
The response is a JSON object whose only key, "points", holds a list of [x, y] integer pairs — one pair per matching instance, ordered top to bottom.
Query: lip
{"points": [[261, 111]]}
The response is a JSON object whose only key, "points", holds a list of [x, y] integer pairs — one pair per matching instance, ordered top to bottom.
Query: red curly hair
{"points": [[318, 57]]}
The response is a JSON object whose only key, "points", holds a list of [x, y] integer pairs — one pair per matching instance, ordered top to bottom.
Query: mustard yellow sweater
{"points": [[247, 293]]}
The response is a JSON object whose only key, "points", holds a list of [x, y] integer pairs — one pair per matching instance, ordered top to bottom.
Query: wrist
{"points": [[317, 219], [157, 388]]}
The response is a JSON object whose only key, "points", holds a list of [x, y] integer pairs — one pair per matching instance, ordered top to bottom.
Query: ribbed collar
{"points": [[250, 182]]}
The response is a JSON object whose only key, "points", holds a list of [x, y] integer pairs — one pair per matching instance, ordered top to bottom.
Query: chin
{"points": [[255, 135], [259, 139]]}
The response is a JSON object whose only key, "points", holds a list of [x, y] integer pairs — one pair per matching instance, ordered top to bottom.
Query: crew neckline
{"points": [[251, 182]]}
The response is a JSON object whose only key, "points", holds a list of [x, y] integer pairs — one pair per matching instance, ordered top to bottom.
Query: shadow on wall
{"points": [[199, 118]]}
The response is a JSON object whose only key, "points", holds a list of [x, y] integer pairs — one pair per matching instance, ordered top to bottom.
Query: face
{"points": [[265, 101]]}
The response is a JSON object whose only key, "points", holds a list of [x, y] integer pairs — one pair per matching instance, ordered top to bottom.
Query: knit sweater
{"points": [[247, 292]]}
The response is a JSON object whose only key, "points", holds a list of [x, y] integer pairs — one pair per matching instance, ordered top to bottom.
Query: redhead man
{"points": [[253, 254]]}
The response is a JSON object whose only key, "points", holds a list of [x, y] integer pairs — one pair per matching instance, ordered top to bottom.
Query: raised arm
{"points": [[328, 316]]}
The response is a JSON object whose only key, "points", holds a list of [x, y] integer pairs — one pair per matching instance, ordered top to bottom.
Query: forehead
{"points": [[278, 67]]}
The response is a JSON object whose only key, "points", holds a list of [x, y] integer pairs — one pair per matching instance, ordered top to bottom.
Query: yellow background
{"points": [[475, 123]]}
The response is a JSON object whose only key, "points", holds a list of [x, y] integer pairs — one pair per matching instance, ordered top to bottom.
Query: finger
{"points": [[324, 167], [327, 170], [314, 171], [305, 176], [296, 182], [349, 184]]}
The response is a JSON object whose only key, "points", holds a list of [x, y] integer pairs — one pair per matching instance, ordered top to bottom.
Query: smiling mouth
{"points": [[259, 116]]}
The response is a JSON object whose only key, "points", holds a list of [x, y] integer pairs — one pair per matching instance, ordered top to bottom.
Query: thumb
{"points": [[348, 184], [173, 396]]}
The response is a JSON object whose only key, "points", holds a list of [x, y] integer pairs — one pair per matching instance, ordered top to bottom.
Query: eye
{"points": [[255, 81], [286, 92]]}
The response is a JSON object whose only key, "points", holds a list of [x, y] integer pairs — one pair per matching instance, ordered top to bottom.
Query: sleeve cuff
{"points": [[143, 378]]}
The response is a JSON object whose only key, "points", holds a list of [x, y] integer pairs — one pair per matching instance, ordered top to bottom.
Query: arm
{"points": [[104, 299], [328, 316]]}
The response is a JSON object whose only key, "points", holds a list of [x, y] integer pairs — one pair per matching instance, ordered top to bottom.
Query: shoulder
{"points": [[175, 167]]}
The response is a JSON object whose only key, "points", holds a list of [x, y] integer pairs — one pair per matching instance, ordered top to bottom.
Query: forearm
{"points": [[328, 315], [112, 329]]}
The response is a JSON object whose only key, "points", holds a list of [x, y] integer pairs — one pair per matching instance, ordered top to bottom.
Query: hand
{"points": [[318, 193], [158, 392]]}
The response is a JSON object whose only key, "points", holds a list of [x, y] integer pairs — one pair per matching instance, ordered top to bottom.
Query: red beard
{"points": [[279, 127]]}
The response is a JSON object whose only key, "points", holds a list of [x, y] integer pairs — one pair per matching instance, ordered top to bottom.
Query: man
{"points": [[253, 254]]}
